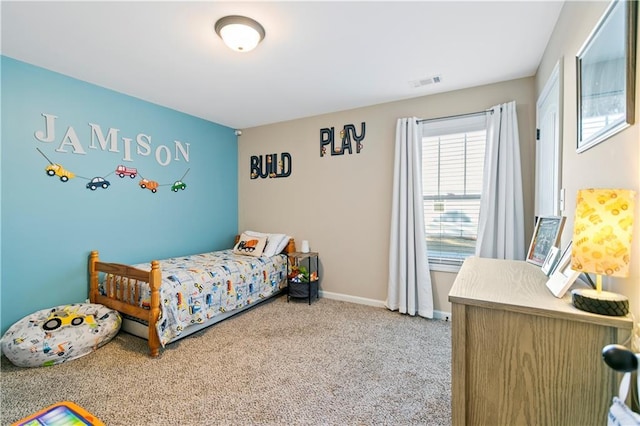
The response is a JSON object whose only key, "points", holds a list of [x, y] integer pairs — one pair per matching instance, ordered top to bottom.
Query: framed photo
{"points": [[606, 67], [546, 235], [551, 261], [563, 276]]}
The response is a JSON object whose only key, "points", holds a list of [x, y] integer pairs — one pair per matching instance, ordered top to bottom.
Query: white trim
{"points": [[553, 86], [455, 124], [443, 267], [353, 299], [439, 315]]}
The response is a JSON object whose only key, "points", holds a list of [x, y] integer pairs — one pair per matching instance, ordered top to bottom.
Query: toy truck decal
{"points": [[54, 169], [58, 170], [123, 171], [151, 185], [248, 246], [66, 317]]}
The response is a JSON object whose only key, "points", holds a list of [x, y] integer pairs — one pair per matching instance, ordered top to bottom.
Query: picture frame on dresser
{"points": [[546, 235], [551, 261], [563, 276]]}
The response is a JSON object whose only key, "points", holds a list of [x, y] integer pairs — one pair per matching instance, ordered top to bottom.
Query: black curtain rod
{"points": [[422, 120]]}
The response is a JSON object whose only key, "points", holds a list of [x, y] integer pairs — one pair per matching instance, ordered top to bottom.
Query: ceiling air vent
{"points": [[425, 81]]}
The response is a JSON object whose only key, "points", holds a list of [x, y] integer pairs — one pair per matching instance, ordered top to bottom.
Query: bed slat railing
{"points": [[122, 288]]}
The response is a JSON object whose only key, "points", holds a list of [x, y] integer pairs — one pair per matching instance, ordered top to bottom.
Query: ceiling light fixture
{"points": [[240, 33]]}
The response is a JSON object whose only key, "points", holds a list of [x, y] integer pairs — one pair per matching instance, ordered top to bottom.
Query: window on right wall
{"points": [[452, 167]]}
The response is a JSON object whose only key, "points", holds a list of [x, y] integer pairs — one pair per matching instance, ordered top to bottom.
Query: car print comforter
{"points": [[198, 287]]}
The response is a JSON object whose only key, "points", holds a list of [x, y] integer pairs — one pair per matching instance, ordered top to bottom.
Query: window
{"points": [[452, 164]]}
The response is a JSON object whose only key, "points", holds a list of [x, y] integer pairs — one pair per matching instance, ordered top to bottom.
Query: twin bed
{"points": [[166, 300]]}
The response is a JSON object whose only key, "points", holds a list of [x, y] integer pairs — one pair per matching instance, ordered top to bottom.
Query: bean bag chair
{"points": [[56, 335]]}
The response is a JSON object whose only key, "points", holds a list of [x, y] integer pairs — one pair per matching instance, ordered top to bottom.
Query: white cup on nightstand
{"points": [[305, 246]]}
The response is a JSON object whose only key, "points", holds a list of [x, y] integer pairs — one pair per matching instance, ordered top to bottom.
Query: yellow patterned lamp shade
{"points": [[602, 233]]}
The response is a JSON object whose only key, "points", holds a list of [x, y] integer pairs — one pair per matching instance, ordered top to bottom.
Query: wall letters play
{"points": [[327, 137]]}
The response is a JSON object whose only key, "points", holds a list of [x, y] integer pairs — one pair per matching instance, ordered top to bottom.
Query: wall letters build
{"points": [[327, 136], [110, 142], [269, 169]]}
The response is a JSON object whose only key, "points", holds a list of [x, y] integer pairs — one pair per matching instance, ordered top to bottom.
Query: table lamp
{"points": [[602, 232]]}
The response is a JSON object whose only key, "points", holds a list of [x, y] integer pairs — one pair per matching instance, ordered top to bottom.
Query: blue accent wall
{"points": [[49, 227]]}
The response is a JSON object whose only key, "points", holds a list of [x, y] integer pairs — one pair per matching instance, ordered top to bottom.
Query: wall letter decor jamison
{"points": [[327, 137], [109, 143], [142, 145], [269, 166]]}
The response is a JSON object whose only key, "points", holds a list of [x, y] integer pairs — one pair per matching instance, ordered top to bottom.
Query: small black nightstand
{"points": [[303, 289]]}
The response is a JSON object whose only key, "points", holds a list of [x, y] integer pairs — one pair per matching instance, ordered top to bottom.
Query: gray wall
{"points": [[610, 164], [342, 204]]}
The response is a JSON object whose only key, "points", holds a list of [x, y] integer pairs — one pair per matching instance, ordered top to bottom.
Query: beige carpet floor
{"points": [[331, 363]]}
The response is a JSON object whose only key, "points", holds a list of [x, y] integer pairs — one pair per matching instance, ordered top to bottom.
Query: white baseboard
{"points": [[353, 299], [445, 316]]}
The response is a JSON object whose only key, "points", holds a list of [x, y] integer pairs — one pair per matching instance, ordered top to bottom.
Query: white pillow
{"points": [[256, 234], [275, 242], [283, 244]]}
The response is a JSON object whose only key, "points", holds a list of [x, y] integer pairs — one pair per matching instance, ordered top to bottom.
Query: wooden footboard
{"points": [[121, 285], [122, 292]]}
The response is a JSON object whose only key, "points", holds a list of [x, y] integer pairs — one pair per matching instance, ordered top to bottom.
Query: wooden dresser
{"points": [[520, 356]]}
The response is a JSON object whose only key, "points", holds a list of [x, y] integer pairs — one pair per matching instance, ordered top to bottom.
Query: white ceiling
{"points": [[317, 57]]}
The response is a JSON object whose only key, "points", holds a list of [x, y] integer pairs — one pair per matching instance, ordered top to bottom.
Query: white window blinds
{"points": [[452, 163]]}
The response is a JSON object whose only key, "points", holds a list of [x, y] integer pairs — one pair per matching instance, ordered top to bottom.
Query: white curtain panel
{"points": [[501, 220], [409, 290]]}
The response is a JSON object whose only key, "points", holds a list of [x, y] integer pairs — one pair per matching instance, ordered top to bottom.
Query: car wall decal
{"points": [[54, 169], [121, 171], [98, 182], [149, 184], [179, 184]]}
